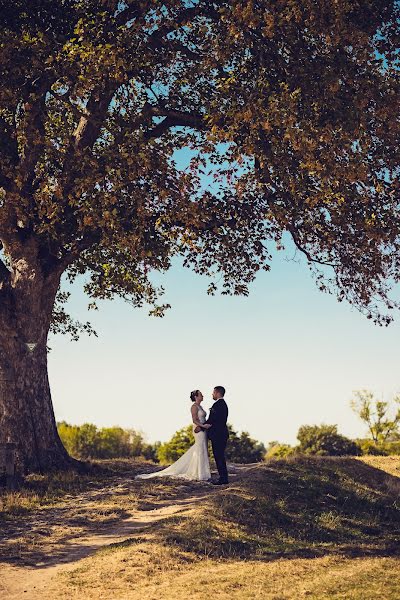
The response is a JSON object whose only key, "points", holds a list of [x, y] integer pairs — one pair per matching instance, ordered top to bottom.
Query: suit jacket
{"points": [[218, 418]]}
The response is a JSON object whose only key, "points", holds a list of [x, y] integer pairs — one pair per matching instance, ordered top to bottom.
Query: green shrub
{"points": [[324, 440], [87, 441], [180, 442], [241, 447], [370, 447], [392, 447], [277, 450]]}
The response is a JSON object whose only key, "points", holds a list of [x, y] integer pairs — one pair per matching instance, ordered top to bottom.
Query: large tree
{"points": [[291, 105]]}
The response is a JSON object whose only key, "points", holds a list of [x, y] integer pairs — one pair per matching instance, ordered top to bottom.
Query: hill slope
{"points": [[287, 529]]}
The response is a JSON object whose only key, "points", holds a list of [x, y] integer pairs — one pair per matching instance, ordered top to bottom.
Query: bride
{"points": [[194, 464]]}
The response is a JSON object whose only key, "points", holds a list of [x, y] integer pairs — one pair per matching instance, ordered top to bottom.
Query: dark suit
{"points": [[218, 434]]}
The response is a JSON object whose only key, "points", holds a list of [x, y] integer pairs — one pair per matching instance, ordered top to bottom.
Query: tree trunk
{"points": [[26, 411]]}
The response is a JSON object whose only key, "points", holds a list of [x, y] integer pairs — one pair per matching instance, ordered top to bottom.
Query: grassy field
{"points": [[53, 489], [286, 529]]}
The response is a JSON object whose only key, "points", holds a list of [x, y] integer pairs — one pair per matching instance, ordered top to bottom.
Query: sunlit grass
{"points": [[54, 488], [303, 507], [314, 528], [150, 571]]}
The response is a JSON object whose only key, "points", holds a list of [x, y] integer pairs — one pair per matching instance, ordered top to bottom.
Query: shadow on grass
{"points": [[298, 507], [302, 507], [40, 522]]}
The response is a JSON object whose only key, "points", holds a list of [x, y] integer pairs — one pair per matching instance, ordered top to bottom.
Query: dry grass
{"points": [[388, 464], [57, 488], [303, 507], [51, 510], [303, 528], [287, 529], [150, 571]]}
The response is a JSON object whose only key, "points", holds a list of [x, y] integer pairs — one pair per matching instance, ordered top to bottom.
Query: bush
{"points": [[324, 440], [80, 441], [87, 441], [180, 442], [369, 447], [392, 447], [240, 449], [277, 450], [150, 451]]}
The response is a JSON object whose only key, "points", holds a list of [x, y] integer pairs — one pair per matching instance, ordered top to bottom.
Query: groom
{"points": [[218, 433]]}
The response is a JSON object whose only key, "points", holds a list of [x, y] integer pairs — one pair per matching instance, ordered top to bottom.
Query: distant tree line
{"points": [[382, 420], [88, 441]]}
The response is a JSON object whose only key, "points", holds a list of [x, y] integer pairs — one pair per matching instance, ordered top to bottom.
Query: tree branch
{"points": [[124, 16], [159, 34], [177, 45], [79, 113], [173, 118], [89, 126], [88, 129], [34, 133], [8, 141], [8, 150], [5, 182], [88, 240], [309, 257], [4, 273]]}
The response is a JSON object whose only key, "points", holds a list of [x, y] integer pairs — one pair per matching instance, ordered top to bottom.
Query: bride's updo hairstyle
{"points": [[193, 395]]}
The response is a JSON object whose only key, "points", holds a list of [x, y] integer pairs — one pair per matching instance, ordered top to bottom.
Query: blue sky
{"points": [[288, 355]]}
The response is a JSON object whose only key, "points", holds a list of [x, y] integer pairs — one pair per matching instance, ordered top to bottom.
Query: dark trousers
{"points": [[218, 447]]}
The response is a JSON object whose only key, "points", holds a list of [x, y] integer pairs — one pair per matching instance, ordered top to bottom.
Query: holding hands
{"points": [[199, 428]]}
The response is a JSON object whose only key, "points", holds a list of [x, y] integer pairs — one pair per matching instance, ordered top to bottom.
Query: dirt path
{"points": [[64, 546], [31, 582]]}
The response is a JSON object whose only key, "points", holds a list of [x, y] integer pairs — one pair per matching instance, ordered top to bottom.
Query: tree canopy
{"points": [[295, 104]]}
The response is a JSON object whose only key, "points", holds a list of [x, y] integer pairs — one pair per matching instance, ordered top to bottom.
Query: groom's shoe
{"points": [[219, 482]]}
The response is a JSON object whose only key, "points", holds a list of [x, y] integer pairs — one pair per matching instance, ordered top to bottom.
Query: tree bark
{"points": [[26, 411]]}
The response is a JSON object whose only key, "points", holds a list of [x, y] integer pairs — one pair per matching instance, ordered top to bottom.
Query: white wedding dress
{"points": [[194, 464]]}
